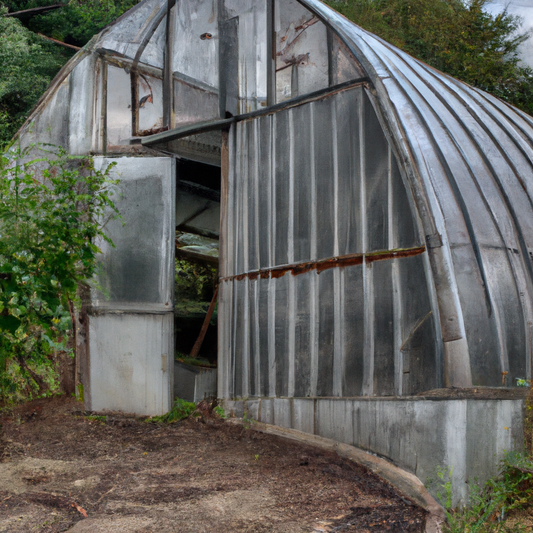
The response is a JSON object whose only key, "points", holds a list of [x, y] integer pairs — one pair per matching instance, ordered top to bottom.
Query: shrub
{"points": [[52, 212]]}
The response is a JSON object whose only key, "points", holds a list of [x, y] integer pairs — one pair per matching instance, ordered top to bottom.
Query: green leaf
{"points": [[9, 323]]}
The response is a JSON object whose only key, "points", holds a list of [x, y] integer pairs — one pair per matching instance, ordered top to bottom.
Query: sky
{"points": [[523, 8]]}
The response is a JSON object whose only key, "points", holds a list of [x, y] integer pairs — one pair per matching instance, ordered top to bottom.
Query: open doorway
{"points": [[196, 278]]}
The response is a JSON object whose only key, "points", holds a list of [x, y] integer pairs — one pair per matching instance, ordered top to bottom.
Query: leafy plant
{"points": [[455, 36], [52, 212], [192, 280], [182, 409], [220, 412], [489, 505]]}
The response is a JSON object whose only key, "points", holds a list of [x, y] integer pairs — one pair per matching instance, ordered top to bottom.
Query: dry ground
{"points": [[129, 475]]}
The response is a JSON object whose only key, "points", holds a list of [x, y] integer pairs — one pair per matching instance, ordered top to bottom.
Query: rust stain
{"points": [[326, 264], [278, 272]]}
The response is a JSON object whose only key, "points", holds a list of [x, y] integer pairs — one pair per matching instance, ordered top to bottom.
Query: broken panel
{"points": [[193, 101], [150, 105]]}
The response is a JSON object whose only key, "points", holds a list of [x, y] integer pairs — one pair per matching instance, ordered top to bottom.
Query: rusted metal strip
{"points": [[325, 264]]}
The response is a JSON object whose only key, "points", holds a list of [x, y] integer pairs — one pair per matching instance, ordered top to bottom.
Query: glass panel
{"points": [[249, 20], [127, 33], [196, 43], [301, 51], [195, 61], [344, 66], [193, 102], [118, 107], [376, 157], [138, 269], [281, 288], [417, 328], [383, 329], [353, 331], [326, 333], [302, 335]]}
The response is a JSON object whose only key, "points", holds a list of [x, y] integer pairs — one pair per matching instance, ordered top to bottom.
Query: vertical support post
{"points": [[271, 58], [331, 58], [134, 78], [168, 107], [103, 110], [224, 320], [199, 341]]}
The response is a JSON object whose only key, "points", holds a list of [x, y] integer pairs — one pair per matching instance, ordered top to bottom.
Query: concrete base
{"points": [[194, 383], [466, 437]]}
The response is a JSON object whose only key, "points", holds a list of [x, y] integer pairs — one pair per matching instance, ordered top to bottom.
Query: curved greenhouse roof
{"points": [[164, 72]]}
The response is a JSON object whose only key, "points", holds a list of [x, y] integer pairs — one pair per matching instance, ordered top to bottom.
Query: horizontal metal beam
{"points": [[186, 131]]}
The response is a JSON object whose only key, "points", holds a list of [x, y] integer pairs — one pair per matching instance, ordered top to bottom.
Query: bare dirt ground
{"points": [[60, 470]]}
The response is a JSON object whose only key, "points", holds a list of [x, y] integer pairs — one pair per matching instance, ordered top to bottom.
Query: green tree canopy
{"points": [[74, 23], [457, 37], [28, 65]]}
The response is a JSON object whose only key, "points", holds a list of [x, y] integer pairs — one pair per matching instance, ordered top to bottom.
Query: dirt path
{"points": [[127, 475]]}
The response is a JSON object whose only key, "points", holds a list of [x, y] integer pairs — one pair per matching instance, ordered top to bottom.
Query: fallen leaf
{"points": [[80, 510]]}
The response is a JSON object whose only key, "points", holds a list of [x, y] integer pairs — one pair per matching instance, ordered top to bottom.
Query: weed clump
{"points": [[182, 409], [492, 507]]}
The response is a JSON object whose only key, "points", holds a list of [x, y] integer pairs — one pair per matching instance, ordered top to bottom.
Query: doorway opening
{"points": [[196, 264]]}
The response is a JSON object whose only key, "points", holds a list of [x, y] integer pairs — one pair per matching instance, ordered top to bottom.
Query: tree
{"points": [[456, 37], [28, 65], [51, 213]]}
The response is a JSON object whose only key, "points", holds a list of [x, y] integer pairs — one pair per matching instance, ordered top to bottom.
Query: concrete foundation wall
{"points": [[465, 436]]}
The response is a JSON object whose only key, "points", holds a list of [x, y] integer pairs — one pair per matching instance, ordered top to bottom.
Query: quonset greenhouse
{"points": [[375, 221]]}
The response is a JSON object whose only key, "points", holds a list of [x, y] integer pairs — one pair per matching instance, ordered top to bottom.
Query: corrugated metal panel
{"points": [[469, 158], [307, 191]]}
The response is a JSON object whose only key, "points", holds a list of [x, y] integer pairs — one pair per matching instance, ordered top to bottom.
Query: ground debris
{"points": [[106, 472]]}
